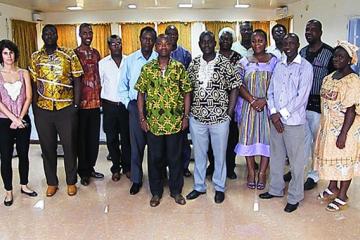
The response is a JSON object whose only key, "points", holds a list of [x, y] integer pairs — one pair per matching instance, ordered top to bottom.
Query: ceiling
{"points": [[91, 5]]}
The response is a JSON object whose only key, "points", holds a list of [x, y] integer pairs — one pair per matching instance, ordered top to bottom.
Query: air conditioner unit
{"points": [[282, 12], [37, 17]]}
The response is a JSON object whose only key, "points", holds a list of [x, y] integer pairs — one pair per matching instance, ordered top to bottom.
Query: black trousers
{"points": [[116, 123], [50, 124], [21, 137], [88, 140], [163, 147], [230, 153]]}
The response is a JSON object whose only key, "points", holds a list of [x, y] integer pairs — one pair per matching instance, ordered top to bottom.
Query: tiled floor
{"points": [[131, 217]]}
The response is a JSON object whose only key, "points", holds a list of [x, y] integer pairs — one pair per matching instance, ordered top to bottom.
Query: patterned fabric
{"points": [[182, 55], [53, 75], [90, 81], [211, 83], [164, 95], [254, 127], [331, 162]]}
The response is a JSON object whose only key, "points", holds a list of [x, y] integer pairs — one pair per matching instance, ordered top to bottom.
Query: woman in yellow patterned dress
{"points": [[337, 150]]}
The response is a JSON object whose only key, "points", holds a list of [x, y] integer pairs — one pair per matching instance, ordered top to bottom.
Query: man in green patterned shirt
{"points": [[165, 84]]}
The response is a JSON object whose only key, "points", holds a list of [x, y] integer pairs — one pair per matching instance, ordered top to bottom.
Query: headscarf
{"points": [[228, 30], [350, 49]]}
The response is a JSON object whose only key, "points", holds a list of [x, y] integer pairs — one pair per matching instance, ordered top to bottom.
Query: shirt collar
{"points": [[139, 55], [297, 59], [202, 61]]}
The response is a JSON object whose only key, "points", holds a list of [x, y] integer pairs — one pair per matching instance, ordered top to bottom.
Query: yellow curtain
{"points": [[286, 22], [263, 25], [215, 28], [184, 29], [130, 33], [101, 34], [66, 35], [25, 37]]}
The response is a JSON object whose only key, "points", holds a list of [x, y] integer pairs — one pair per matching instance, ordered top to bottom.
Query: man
{"points": [[278, 33], [244, 48], [182, 55], [56, 76], [165, 84], [215, 86], [128, 96], [287, 98], [89, 113], [116, 117]]}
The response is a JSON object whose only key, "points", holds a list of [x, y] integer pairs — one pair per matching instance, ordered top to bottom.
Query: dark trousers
{"points": [[50, 124], [116, 124], [8, 137], [88, 140], [138, 142], [163, 147], [186, 150], [230, 153]]}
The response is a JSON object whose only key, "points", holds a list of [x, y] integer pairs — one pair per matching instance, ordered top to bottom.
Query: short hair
{"points": [[315, 22], [245, 23], [84, 25], [49, 26], [277, 26], [171, 27], [148, 29], [228, 30], [260, 31], [206, 33], [292, 35], [162, 36], [113, 37], [11, 46]]}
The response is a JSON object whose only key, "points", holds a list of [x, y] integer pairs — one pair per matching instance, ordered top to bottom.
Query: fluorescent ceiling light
{"points": [[185, 5], [241, 5], [132, 6], [74, 8]]}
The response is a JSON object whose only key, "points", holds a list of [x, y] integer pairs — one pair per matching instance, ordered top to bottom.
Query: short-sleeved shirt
{"points": [[53, 75], [90, 81], [212, 82], [164, 95]]}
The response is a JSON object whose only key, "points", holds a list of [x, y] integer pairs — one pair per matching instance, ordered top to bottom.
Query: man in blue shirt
{"points": [[128, 95]]}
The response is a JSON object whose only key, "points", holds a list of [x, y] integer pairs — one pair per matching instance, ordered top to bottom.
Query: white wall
{"points": [[333, 14]]}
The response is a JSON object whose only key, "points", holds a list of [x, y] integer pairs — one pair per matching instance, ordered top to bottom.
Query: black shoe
{"points": [[108, 157], [187, 173], [97, 175], [231, 175], [287, 177], [85, 181], [309, 184], [135, 188], [30, 194], [194, 194], [267, 195], [219, 197], [179, 199], [155, 201], [8, 203], [291, 207]]}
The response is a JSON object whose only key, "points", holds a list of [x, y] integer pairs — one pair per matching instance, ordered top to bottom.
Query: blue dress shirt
{"points": [[182, 55]]}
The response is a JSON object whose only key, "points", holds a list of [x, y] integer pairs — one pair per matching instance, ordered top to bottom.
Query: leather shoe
{"points": [[187, 173], [97, 175], [232, 175], [116, 176], [287, 177], [85, 181], [309, 184], [135, 188], [51, 190], [71, 190], [30, 194], [194, 194], [267, 195], [219, 197], [179, 199], [155, 201], [10, 202], [291, 207]]}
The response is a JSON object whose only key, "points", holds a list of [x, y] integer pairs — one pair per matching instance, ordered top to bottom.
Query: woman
{"points": [[15, 99], [254, 128], [337, 146]]}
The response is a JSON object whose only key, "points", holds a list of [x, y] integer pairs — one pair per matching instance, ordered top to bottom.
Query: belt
{"points": [[111, 102]]}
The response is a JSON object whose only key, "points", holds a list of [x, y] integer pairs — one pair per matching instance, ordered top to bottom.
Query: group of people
{"points": [[247, 99]]}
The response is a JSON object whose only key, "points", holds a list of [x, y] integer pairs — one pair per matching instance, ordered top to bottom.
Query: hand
{"points": [[259, 104], [275, 118], [17, 123], [184, 123], [144, 125], [279, 126], [340, 142]]}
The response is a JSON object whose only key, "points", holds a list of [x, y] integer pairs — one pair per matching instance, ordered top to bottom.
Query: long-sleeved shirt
{"points": [[182, 55], [130, 74], [289, 90]]}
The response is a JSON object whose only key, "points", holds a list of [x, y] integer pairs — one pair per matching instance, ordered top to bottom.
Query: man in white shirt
{"points": [[278, 33], [244, 48], [116, 116]]}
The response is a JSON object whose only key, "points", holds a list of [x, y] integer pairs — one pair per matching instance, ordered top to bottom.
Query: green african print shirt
{"points": [[164, 95]]}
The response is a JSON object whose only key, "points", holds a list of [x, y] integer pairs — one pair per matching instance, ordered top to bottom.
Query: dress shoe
{"points": [[187, 173], [97, 175], [231, 175], [116, 176], [287, 177], [85, 181], [309, 184], [135, 188], [51, 190], [71, 190], [30, 194], [194, 194], [267, 195], [219, 197], [179, 199], [155, 201], [8, 203], [291, 207]]}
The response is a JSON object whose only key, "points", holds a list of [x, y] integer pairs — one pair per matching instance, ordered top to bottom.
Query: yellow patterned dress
{"points": [[336, 96]]}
